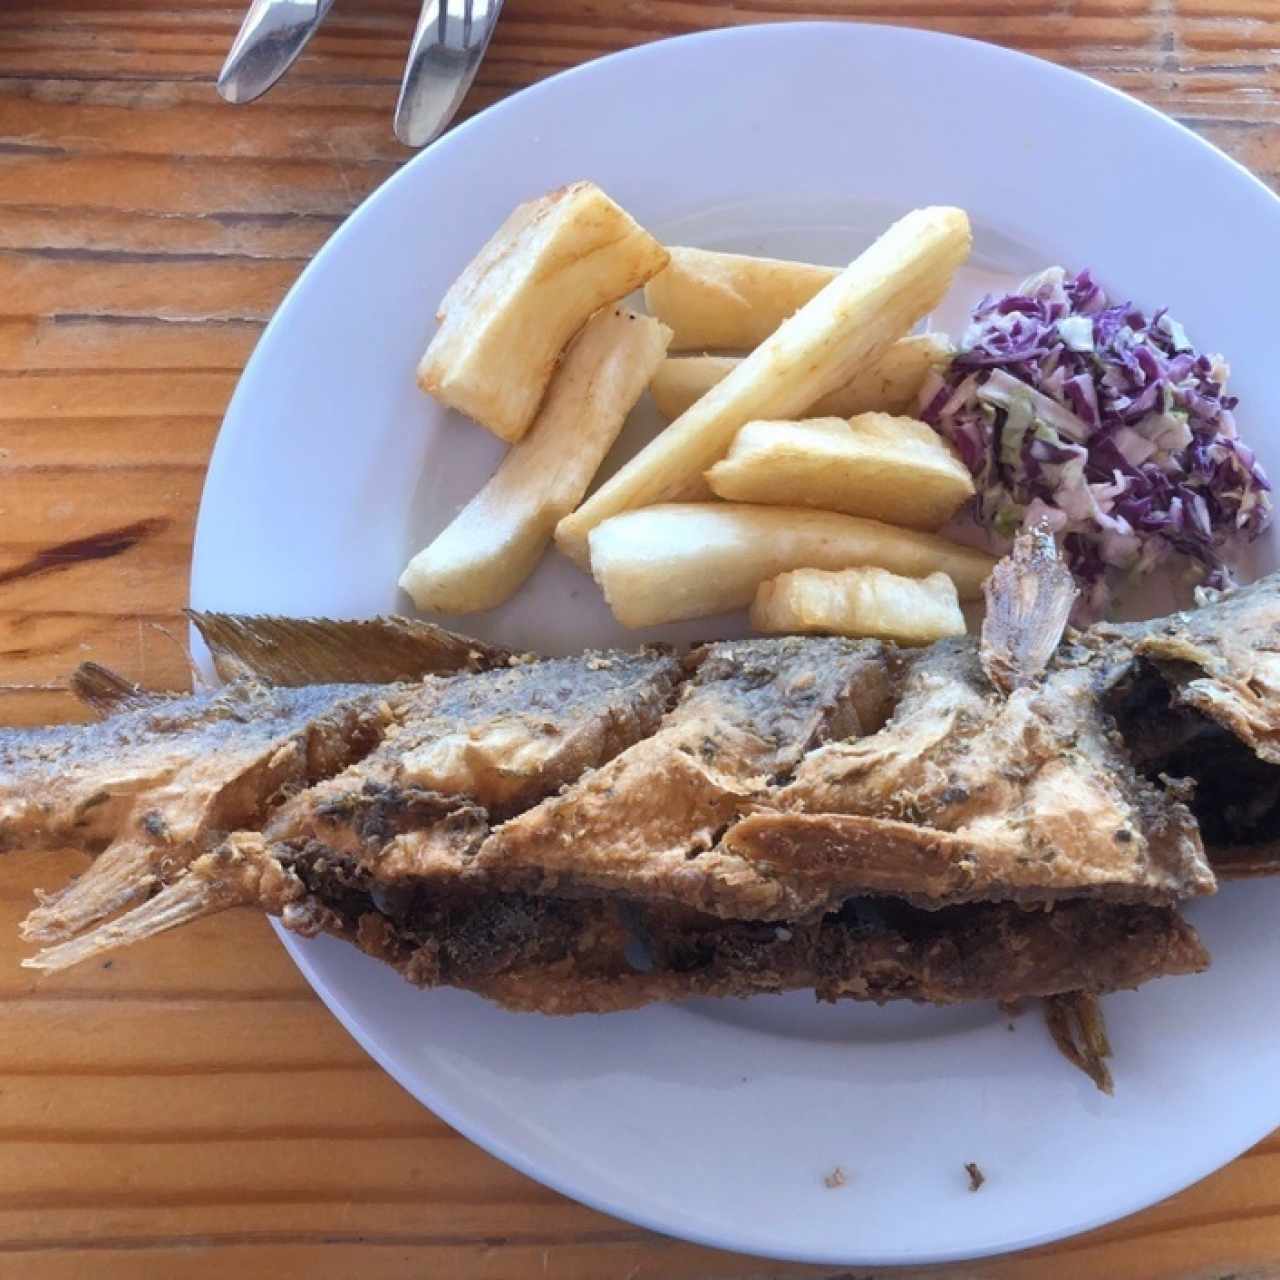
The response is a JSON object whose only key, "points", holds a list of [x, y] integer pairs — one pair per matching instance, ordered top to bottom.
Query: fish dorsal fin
{"points": [[1029, 597], [298, 651], [107, 692]]}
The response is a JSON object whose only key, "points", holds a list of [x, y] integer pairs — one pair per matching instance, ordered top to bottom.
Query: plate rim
{"points": [[239, 407]]}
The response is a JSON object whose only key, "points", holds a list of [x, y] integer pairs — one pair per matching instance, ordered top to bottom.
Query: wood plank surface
{"points": [[190, 1109]]}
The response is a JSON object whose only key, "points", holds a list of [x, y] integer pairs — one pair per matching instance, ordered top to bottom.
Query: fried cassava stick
{"points": [[849, 324]]}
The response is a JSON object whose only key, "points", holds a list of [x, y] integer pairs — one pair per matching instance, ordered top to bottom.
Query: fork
{"points": [[448, 46]]}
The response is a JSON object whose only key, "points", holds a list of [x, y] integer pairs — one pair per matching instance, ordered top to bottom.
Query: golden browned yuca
{"points": [[729, 301], [505, 320], [847, 326], [888, 385], [893, 469], [495, 542], [697, 559], [859, 602]]}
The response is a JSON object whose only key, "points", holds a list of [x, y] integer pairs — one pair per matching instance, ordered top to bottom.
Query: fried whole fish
{"points": [[764, 784]]}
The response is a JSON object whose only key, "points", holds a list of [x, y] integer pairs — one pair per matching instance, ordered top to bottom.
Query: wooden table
{"points": [[190, 1109]]}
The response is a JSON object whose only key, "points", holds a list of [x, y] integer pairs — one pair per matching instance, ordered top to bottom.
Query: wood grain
{"points": [[190, 1109]]}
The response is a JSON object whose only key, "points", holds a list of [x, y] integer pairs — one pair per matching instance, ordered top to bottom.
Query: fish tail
{"points": [[240, 872], [121, 876], [180, 903]]}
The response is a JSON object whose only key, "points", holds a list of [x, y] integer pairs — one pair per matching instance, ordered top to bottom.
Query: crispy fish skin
{"points": [[300, 651], [470, 750], [169, 779], [77, 785], [965, 795], [968, 796], [643, 824], [458, 939], [994, 951]]}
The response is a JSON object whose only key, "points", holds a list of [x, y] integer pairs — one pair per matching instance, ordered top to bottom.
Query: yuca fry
{"points": [[729, 301], [871, 304], [507, 317], [681, 380], [890, 385], [897, 470], [497, 539], [691, 560], [859, 602]]}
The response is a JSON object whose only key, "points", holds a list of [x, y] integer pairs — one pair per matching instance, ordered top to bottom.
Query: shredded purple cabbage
{"points": [[1104, 422]]}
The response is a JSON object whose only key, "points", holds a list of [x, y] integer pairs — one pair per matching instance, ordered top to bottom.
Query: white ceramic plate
{"points": [[718, 1121]]}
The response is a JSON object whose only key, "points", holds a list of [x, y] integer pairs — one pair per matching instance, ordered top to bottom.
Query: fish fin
{"points": [[1029, 597], [297, 651], [108, 692], [241, 872], [122, 875], [187, 899], [1076, 1024]]}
